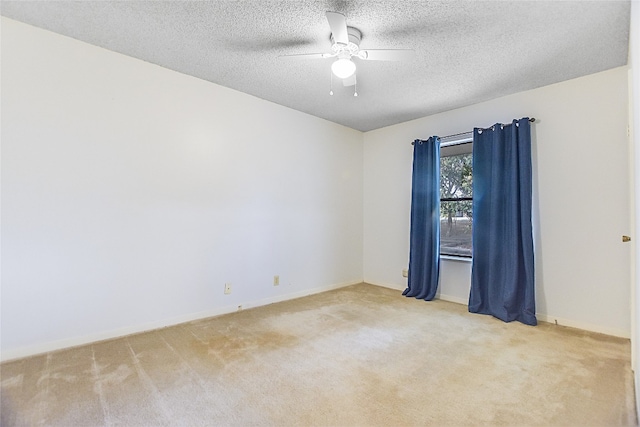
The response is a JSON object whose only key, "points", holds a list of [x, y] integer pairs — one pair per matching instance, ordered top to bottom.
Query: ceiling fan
{"points": [[345, 46]]}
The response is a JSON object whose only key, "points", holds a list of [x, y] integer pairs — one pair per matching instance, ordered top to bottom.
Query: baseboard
{"points": [[388, 286], [294, 295], [443, 297], [451, 298], [540, 316], [556, 320], [584, 326], [19, 353], [7, 355]]}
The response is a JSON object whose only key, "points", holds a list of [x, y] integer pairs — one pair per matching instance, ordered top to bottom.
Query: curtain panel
{"points": [[424, 240], [502, 277]]}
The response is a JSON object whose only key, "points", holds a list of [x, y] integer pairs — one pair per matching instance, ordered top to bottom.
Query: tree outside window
{"points": [[456, 200]]}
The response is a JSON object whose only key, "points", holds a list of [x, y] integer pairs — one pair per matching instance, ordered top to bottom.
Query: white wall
{"points": [[581, 192], [132, 193]]}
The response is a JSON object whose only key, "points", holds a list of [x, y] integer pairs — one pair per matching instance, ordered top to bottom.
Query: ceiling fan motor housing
{"points": [[354, 42]]}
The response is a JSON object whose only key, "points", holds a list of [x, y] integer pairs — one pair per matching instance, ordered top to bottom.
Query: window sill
{"points": [[455, 258]]}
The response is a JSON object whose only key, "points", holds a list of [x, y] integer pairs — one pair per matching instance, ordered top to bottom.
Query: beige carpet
{"points": [[360, 355]]}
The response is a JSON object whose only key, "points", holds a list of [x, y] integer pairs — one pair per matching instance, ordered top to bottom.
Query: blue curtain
{"points": [[424, 245], [502, 275]]}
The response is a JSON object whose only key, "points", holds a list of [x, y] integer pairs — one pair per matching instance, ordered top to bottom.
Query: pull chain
{"points": [[330, 84], [355, 86]]}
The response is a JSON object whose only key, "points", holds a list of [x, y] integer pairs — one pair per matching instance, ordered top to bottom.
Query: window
{"points": [[456, 197]]}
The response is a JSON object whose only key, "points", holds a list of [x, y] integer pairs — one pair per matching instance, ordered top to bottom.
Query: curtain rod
{"points": [[532, 119]]}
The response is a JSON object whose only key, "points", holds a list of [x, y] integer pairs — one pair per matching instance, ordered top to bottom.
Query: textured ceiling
{"points": [[465, 51]]}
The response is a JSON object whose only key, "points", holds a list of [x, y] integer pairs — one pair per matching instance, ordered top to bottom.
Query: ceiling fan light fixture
{"points": [[343, 68]]}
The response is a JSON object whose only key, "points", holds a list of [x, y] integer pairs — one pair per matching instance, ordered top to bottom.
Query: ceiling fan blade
{"points": [[338, 25], [385, 54], [308, 56], [349, 81]]}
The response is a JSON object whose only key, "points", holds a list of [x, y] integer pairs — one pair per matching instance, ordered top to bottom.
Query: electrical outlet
{"points": [[405, 273], [276, 280], [227, 288]]}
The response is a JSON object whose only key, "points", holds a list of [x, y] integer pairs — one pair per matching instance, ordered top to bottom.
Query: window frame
{"points": [[455, 140]]}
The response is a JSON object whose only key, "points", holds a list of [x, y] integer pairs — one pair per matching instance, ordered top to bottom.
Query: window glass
{"points": [[456, 199]]}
